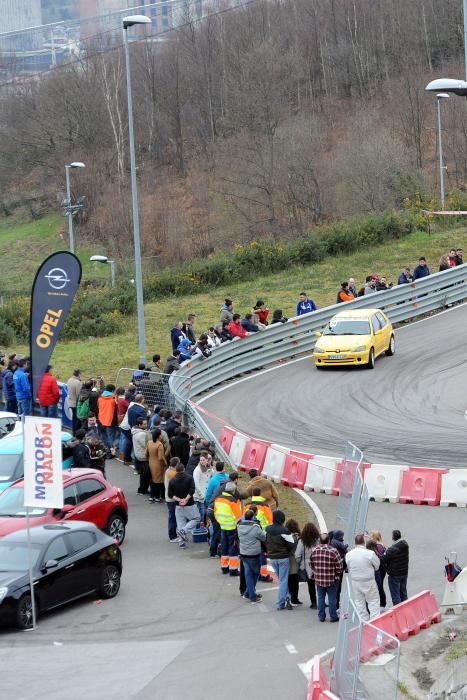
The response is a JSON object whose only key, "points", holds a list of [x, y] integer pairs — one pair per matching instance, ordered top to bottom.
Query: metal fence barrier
{"points": [[284, 340], [154, 386], [353, 498], [366, 659]]}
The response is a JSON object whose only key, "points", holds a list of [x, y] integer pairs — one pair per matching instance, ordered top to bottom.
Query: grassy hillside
{"points": [[24, 244], [321, 281]]}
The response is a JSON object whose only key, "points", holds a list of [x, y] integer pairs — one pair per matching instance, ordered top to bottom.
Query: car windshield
{"points": [[348, 326], [6, 426], [8, 467], [12, 505], [14, 556]]}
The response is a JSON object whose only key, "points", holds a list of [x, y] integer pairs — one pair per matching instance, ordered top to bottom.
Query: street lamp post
{"points": [[130, 21], [439, 97], [68, 207], [104, 259]]}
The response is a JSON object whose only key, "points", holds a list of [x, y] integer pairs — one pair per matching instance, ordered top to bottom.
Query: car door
{"points": [[386, 330], [377, 335], [70, 498], [91, 501], [83, 547], [56, 584]]}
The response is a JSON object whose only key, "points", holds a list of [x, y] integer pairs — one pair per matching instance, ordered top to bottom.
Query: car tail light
{"points": [[116, 542]]}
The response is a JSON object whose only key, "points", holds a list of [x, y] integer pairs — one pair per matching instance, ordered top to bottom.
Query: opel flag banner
{"points": [[55, 286], [43, 477]]}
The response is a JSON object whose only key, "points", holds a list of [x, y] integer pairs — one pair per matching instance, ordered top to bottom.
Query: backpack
{"points": [[82, 408]]}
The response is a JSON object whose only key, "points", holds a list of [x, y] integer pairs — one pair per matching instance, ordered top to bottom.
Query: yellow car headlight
{"points": [[359, 348], [318, 349]]}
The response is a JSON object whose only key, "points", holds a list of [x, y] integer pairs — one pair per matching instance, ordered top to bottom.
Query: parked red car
{"points": [[86, 496]]}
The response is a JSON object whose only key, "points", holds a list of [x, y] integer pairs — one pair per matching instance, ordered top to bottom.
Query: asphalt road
{"points": [[408, 410], [178, 629]]}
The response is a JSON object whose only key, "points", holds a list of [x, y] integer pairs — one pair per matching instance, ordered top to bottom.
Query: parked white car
{"points": [[10, 424]]}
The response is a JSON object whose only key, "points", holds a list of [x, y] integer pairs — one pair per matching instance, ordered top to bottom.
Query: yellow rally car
{"points": [[355, 337]]}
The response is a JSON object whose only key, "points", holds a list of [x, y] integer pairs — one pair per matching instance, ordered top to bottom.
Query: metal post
{"points": [[465, 37], [440, 150], [134, 204], [71, 240], [112, 271]]}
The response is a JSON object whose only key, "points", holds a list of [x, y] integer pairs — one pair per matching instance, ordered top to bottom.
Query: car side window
{"points": [[382, 320], [375, 324], [88, 488], [69, 495], [81, 540], [57, 549]]}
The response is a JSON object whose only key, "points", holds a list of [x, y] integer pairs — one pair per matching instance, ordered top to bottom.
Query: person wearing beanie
{"points": [[227, 512], [279, 544]]}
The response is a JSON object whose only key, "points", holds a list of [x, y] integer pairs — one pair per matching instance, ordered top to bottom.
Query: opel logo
{"points": [[57, 278], [337, 350]]}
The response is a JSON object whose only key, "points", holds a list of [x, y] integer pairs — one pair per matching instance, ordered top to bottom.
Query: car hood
{"points": [[341, 343], [5, 484], [8, 525], [12, 579]]}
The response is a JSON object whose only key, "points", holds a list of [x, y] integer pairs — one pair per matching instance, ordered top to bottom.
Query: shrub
{"points": [[7, 334]]}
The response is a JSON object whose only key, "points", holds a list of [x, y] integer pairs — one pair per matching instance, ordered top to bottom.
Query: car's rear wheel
{"points": [[391, 347], [371, 359], [116, 527], [109, 584], [24, 612]]}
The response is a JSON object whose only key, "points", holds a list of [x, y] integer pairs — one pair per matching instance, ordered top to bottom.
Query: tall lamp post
{"points": [[130, 21], [439, 97], [70, 210], [104, 259]]}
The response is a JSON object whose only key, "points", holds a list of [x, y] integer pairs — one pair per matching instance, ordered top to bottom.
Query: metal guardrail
{"points": [[297, 336]]}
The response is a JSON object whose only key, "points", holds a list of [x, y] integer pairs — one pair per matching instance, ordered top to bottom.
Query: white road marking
{"points": [[315, 508], [291, 649]]}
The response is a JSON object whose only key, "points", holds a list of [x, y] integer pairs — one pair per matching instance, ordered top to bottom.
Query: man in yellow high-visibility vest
{"points": [[228, 511]]}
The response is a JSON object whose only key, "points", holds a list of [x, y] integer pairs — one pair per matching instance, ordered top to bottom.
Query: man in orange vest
{"points": [[228, 511], [264, 517]]}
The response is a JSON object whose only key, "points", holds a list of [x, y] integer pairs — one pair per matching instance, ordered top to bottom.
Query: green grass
{"points": [[25, 244], [321, 281]]}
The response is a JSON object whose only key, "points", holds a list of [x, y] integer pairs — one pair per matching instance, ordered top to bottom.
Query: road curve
{"points": [[408, 410]]}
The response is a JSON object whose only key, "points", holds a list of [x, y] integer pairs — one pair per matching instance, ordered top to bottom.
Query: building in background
{"points": [[17, 15]]}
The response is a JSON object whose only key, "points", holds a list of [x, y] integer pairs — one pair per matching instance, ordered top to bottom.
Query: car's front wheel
{"points": [[391, 347], [371, 359], [116, 527], [109, 584], [24, 612]]}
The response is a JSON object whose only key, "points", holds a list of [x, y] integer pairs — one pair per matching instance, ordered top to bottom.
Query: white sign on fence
{"points": [[43, 478]]}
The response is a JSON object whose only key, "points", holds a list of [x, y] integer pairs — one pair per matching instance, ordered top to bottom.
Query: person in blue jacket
{"points": [[422, 269], [305, 304], [185, 350], [8, 384], [23, 389]]}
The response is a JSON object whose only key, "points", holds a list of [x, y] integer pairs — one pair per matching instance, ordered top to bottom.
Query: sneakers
{"points": [[151, 500], [182, 535], [175, 539], [182, 544], [266, 579], [257, 599], [296, 602], [288, 604]]}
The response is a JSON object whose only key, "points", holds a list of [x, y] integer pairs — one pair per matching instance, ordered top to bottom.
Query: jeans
{"points": [[11, 406], [25, 407], [49, 411], [75, 421], [108, 436], [125, 444], [202, 510], [187, 517], [172, 523], [251, 566], [281, 567], [379, 578], [293, 587], [397, 588], [312, 591], [332, 599]]}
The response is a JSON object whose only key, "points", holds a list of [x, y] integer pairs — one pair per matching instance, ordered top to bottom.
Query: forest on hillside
{"points": [[258, 121]]}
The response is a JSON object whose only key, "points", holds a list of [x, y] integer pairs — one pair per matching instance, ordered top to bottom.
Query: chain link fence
{"points": [[154, 386]]}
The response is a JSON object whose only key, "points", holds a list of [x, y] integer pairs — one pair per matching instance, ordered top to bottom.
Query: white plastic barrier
{"points": [[237, 448], [274, 462], [321, 473], [384, 481], [454, 488], [455, 594]]}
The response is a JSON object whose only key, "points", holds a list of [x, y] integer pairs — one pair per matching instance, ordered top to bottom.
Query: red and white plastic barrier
{"points": [[385, 482], [319, 682]]}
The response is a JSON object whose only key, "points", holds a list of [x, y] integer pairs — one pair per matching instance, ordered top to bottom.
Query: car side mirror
{"points": [[318, 334], [64, 510], [50, 564]]}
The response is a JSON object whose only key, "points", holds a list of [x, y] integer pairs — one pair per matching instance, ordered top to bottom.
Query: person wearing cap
{"points": [[185, 350], [74, 388], [48, 395], [227, 512], [280, 544]]}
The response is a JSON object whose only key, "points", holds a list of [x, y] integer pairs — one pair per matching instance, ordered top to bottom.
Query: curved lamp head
{"points": [[135, 19], [445, 85], [442, 96], [77, 164], [99, 258]]}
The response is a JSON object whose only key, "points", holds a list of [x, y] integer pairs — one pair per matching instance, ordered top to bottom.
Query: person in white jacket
{"points": [[201, 477], [361, 565]]}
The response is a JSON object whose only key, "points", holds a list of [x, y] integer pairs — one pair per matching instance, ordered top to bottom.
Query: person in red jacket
{"points": [[236, 328], [48, 395]]}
